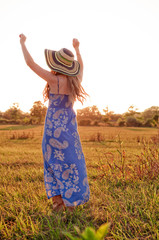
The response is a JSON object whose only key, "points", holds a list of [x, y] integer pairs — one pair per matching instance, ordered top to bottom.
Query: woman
{"points": [[65, 173]]}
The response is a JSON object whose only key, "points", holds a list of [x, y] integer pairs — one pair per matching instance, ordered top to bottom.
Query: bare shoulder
{"points": [[44, 74]]}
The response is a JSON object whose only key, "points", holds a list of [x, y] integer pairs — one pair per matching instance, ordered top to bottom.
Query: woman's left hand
{"points": [[22, 38], [75, 43]]}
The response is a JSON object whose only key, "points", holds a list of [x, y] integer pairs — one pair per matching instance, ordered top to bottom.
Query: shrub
{"points": [[156, 118], [3, 121], [7, 121], [18, 121], [26, 121], [85, 122], [121, 122], [133, 122], [95, 123], [150, 123], [21, 136], [98, 137], [147, 166], [118, 168], [90, 234]]}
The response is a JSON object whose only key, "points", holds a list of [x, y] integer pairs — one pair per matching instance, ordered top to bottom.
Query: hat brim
{"points": [[60, 67]]}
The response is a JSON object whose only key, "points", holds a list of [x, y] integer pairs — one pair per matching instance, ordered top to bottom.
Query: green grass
{"points": [[16, 127], [139, 129], [123, 176]]}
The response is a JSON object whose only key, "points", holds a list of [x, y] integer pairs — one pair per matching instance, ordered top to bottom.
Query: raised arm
{"points": [[79, 58], [46, 75]]}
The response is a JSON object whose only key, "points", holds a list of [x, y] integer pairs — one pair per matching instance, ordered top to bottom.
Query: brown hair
{"points": [[77, 91], [46, 92]]}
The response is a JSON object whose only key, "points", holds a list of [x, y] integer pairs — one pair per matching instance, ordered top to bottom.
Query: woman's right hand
{"points": [[22, 38], [75, 43]]}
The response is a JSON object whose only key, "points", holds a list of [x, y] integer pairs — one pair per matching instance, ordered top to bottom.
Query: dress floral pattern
{"points": [[64, 163]]}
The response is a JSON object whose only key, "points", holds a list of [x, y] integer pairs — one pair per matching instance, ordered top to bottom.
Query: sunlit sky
{"points": [[119, 43]]}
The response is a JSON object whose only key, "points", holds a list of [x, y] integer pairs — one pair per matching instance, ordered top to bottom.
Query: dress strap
{"points": [[58, 84]]}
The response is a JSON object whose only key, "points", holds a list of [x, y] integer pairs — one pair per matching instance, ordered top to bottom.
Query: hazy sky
{"points": [[119, 42]]}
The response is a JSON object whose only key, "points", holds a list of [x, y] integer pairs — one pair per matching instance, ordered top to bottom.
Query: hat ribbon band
{"points": [[63, 60]]}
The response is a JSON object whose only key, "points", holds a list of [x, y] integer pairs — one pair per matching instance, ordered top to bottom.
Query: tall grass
{"points": [[145, 165], [123, 175]]}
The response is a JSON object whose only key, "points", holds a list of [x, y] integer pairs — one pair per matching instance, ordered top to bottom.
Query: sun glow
{"points": [[119, 47]]}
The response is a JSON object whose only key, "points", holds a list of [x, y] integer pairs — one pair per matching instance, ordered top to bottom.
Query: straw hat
{"points": [[62, 61]]}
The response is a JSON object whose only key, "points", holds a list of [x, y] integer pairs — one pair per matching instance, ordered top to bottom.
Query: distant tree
{"points": [[131, 111], [38, 112], [95, 112], [151, 112], [13, 113], [92, 113], [108, 114], [115, 117], [156, 118], [105, 119], [26, 120], [84, 122], [121, 122], [133, 122], [150, 123]]}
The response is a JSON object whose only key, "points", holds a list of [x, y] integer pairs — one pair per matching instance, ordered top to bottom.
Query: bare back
{"points": [[60, 85]]}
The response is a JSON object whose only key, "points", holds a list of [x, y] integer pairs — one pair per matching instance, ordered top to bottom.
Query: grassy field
{"points": [[123, 172]]}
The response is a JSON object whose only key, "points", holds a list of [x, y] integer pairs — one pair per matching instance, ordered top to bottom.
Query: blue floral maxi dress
{"points": [[64, 163]]}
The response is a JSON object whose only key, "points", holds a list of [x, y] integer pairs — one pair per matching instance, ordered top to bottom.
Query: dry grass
{"points": [[122, 165]]}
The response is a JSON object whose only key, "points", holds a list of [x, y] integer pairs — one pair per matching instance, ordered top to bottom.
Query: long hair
{"points": [[77, 91], [46, 92]]}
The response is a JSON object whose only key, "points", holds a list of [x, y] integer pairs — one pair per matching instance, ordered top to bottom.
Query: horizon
{"points": [[100, 109]]}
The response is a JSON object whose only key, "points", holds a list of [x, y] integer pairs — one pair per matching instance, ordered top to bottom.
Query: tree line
{"points": [[15, 116], [89, 116], [132, 118]]}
